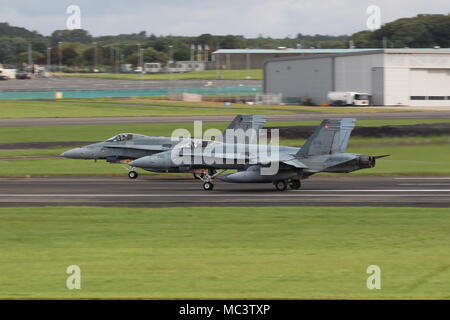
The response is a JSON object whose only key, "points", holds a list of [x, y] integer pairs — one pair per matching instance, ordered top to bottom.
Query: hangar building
{"points": [[234, 59], [414, 77]]}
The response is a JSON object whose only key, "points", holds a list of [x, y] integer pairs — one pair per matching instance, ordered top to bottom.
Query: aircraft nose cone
{"points": [[76, 153], [139, 163]]}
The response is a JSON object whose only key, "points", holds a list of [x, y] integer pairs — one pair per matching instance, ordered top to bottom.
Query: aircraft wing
{"points": [[140, 147], [253, 159], [295, 163]]}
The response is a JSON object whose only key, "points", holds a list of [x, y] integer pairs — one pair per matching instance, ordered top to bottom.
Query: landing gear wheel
{"points": [[133, 174], [295, 184], [281, 185], [208, 186]]}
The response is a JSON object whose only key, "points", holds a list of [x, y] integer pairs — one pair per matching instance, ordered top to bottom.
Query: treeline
{"points": [[422, 31], [79, 48]]}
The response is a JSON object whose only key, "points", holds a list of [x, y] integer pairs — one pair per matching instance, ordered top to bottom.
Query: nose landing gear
{"points": [[132, 174], [206, 177]]}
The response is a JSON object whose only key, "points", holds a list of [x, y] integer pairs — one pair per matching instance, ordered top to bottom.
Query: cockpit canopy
{"points": [[125, 137]]}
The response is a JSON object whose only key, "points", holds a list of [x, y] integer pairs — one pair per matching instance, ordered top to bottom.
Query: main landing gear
{"points": [[132, 174], [206, 177], [282, 185], [208, 186]]}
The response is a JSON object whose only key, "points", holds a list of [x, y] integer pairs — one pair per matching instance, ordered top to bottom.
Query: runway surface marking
{"points": [[425, 178], [424, 184], [170, 191], [205, 195]]}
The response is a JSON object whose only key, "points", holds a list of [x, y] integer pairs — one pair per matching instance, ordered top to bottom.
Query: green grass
{"points": [[253, 74], [237, 106], [135, 107], [69, 109], [103, 132], [381, 142], [31, 152], [428, 159], [407, 160], [59, 166], [295, 252]]}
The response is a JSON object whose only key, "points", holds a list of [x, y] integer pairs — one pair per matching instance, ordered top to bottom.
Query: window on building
{"points": [[418, 98], [436, 98]]}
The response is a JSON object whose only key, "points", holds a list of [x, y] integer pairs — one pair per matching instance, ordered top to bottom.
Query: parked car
{"points": [[23, 76], [2, 77]]}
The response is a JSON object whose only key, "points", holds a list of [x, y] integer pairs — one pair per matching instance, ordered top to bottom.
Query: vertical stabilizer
{"points": [[330, 137]]}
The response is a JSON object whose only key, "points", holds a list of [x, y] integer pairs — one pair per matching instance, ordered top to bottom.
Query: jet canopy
{"points": [[125, 137]]}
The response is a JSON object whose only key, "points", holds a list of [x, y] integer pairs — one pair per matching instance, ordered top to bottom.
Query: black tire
{"points": [[133, 175], [295, 184], [280, 185], [208, 186]]}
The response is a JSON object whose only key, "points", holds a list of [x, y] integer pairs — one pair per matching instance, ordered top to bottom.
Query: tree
{"points": [[10, 31], [422, 31], [77, 35], [232, 42], [150, 55], [36, 57]]}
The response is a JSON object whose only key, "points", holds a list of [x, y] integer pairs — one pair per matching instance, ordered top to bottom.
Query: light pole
{"points": [[60, 55], [95, 56], [170, 56], [30, 58], [49, 58], [141, 59]]}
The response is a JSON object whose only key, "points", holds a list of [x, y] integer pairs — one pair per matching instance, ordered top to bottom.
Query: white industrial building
{"points": [[414, 77]]}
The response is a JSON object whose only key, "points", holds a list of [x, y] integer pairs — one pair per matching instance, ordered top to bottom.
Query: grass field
{"points": [[253, 74], [135, 107], [103, 132], [409, 155], [407, 159], [296, 252]]}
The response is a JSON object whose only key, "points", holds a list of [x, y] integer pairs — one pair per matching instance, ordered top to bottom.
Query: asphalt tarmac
{"points": [[69, 83], [300, 116], [169, 191]]}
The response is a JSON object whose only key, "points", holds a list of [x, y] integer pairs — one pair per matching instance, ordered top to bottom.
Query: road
{"points": [[69, 83], [300, 116], [167, 191]]}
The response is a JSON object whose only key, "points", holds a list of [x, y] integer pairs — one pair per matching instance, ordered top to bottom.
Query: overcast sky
{"points": [[275, 18]]}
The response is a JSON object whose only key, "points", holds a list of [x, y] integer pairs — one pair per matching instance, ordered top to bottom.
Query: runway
{"points": [[74, 84], [299, 116], [167, 191]]}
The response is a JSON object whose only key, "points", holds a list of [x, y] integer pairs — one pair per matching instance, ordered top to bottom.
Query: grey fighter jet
{"points": [[125, 147], [324, 151]]}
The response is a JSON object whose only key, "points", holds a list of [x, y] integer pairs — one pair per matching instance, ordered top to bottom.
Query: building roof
{"points": [[288, 50], [331, 51], [362, 52]]}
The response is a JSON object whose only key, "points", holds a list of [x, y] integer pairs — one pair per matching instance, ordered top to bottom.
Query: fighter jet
{"points": [[125, 147], [324, 151]]}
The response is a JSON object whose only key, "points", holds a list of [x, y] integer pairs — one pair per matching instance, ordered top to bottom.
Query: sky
{"points": [[274, 18]]}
